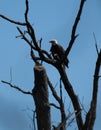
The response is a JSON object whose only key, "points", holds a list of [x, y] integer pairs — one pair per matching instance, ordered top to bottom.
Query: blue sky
{"points": [[51, 19]]}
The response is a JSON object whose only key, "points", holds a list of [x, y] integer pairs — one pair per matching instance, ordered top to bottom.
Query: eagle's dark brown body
{"points": [[58, 52]]}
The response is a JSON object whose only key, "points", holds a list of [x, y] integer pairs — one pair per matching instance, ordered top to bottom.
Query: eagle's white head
{"points": [[53, 42]]}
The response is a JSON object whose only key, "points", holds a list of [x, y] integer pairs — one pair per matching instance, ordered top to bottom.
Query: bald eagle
{"points": [[58, 52]]}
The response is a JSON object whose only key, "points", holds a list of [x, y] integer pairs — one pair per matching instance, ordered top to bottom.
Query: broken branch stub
{"points": [[40, 95]]}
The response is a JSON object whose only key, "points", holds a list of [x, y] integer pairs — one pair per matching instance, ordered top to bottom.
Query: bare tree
{"points": [[43, 56]]}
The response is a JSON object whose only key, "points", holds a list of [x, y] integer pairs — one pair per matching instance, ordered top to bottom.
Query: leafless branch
{"points": [[26, 12], [12, 21], [30, 29], [31, 33], [73, 34], [24, 37], [40, 42], [96, 43], [44, 53], [35, 59], [10, 74], [16, 87], [61, 89], [53, 91], [74, 98], [59, 99], [54, 105], [82, 106], [34, 113], [63, 114], [91, 115], [33, 118], [71, 121], [62, 123]]}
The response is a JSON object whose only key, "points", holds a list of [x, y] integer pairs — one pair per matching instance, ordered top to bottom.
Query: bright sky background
{"points": [[51, 19]]}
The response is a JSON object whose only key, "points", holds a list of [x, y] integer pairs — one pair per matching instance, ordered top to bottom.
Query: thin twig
{"points": [[24, 37], [40, 41], [95, 43], [34, 58], [10, 74], [16, 87], [61, 90], [53, 91], [59, 99], [54, 105], [82, 105], [34, 114], [71, 121], [63, 123]]}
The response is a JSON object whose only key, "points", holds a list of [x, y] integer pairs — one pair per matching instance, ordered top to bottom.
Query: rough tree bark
{"points": [[40, 95]]}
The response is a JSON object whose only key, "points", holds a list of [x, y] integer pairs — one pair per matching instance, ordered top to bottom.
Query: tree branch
{"points": [[12, 21], [29, 27], [31, 33], [73, 34], [24, 37], [95, 43], [43, 52], [16, 87], [53, 91], [70, 91], [60, 101], [54, 105], [91, 115], [63, 123]]}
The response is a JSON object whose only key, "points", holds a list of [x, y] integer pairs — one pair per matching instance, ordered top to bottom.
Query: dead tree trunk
{"points": [[40, 95]]}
